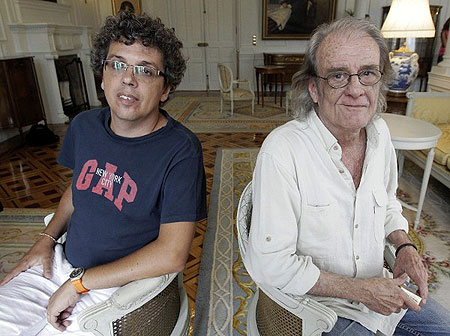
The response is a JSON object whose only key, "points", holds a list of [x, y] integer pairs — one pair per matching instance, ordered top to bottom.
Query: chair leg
{"points": [[221, 104], [253, 106], [232, 107], [401, 161]]}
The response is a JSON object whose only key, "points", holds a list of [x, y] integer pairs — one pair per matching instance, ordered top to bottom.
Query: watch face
{"points": [[76, 273]]}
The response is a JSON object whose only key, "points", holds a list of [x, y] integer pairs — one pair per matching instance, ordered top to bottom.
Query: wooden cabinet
{"points": [[292, 62], [20, 98]]}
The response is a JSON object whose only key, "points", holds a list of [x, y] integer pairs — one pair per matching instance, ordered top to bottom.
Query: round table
{"points": [[276, 71], [413, 134]]}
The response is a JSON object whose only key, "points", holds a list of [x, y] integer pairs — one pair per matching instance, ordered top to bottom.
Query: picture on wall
{"points": [[133, 6], [295, 19]]}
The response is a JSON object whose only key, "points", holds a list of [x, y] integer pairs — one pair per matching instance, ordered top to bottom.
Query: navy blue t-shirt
{"points": [[123, 189]]}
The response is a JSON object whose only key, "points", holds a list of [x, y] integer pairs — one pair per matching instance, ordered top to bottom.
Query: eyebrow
{"points": [[122, 59], [345, 69]]}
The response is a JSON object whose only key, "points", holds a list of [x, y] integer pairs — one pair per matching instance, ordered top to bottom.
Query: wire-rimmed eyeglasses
{"points": [[146, 72], [340, 79]]}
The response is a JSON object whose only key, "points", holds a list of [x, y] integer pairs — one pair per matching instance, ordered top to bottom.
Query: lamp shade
{"points": [[408, 18]]}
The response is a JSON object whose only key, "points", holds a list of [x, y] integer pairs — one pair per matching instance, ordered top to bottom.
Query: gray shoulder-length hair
{"points": [[302, 103]]}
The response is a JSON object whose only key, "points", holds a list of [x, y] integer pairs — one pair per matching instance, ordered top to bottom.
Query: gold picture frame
{"points": [[126, 5], [294, 19]]}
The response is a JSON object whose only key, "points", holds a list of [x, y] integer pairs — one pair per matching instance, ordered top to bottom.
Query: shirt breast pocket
{"points": [[380, 204], [316, 223]]}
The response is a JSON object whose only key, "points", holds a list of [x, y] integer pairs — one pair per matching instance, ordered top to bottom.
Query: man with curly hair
{"points": [[138, 188]]}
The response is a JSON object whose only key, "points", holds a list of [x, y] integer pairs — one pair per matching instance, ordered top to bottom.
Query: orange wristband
{"points": [[79, 286]]}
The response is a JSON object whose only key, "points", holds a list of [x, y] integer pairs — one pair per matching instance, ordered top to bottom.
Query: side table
{"points": [[277, 71], [413, 134]]}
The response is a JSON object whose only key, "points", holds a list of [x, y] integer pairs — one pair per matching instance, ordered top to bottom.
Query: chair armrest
{"points": [[243, 81], [389, 254], [97, 318], [320, 318]]}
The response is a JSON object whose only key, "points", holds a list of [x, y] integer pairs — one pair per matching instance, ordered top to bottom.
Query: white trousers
{"points": [[24, 299]]}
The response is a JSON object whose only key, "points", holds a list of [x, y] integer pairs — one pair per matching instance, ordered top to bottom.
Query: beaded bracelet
{"points": [[49, 236], [404, 245]]}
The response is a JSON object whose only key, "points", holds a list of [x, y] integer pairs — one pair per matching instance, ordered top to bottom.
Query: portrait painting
{"points": [[133, 6], [295, 19]]}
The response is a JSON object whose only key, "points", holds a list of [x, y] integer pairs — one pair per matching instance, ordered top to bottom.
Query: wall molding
{"points": [[28, 11]]}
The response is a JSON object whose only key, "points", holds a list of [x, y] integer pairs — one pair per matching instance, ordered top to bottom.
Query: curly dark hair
{"points": [[129, 28]]}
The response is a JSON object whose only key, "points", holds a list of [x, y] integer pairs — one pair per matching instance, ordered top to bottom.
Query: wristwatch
{"points": [[75, 277]]}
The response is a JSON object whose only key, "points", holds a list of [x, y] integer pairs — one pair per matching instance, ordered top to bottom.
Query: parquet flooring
{"points": [[31, 178]]}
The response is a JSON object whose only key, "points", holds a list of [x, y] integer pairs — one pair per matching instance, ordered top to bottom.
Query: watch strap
{"points": [[79, 286]]}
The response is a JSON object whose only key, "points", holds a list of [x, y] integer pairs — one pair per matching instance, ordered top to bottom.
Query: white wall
{"points": [[64, 12], [92, 13]]}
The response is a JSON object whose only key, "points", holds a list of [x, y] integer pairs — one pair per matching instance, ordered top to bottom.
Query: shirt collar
{"points": [[328, 139]]}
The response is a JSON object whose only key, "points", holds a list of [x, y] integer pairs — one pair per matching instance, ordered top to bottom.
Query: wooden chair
{"points": [[231, 90], [153, 306], [274, 313]]}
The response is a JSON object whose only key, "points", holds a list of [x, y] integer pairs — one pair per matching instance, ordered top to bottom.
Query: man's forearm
{"points": [[60, 220], [398, 237], [167, 254], [338, 286], [382, 295]]}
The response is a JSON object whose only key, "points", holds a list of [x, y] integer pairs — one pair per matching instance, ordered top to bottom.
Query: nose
{"points": [[128, 77], [354, 87]]}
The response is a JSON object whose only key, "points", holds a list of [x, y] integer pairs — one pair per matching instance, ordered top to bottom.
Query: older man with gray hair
{"points": [[324, 194]]}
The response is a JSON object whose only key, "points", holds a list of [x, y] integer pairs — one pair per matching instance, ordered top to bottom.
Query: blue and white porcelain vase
{"points": [[406, 68]]}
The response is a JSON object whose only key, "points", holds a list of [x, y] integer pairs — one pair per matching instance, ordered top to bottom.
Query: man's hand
{"points": [[41, 253], [408, 261], [385, 296], [61, 304]]}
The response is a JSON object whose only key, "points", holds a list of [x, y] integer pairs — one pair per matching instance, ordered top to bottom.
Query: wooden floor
{"points": [[30, 177]]}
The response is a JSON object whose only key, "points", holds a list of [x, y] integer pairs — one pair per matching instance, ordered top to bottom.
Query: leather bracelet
{"points": [[48, 236], [404, 245]]}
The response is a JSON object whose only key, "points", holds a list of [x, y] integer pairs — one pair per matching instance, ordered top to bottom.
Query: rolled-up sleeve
{"points": [[272, 257]]}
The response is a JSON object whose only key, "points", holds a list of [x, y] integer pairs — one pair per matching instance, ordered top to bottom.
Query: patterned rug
{"points": [[202, 115], [19, 229], [224, 286]]}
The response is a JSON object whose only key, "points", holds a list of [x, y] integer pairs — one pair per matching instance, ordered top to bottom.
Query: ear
{"points": [[103, 85], [312, 88], [165, 94]]}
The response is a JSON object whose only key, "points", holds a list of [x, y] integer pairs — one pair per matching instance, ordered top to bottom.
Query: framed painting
{"points": [[127, 6], [294, 19]]}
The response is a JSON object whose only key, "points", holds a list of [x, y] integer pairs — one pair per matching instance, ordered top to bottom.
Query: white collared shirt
{"points": [[308, 216]]}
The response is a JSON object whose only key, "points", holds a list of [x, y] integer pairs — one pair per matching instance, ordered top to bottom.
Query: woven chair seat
{"points": [[156, 318], [272, 319]]}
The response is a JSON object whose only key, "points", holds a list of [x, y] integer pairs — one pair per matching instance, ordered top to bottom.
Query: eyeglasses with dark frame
{"points": [[146, 72], [340, 79]]}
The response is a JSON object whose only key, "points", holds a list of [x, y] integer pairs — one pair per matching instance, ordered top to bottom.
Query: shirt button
{"points": [[335, 147], [341, 171], [356, 226], [268, 238], [357, 257]]}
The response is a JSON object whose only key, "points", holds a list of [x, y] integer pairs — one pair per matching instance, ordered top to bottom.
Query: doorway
{"points": [[208, 31]]}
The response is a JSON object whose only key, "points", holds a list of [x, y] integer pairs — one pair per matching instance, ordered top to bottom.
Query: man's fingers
{"points": [[47, 266], [13, 273], [400, 280], [423, 292], [411, 304], [55, 321], [66, 323]]}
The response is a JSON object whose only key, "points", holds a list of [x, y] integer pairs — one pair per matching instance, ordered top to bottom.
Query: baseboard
{"points": [[10, 144]]}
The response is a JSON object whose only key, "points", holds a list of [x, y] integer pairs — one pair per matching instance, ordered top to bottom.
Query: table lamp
{"points": [[406, 18]]}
